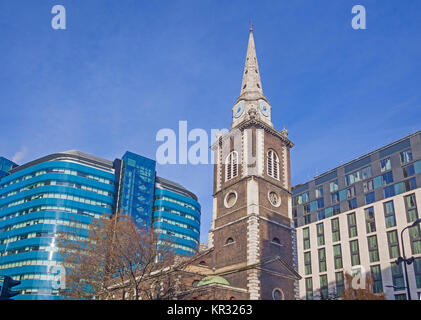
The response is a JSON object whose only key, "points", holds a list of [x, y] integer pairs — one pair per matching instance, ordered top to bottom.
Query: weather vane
{"points": [[251, 26]]}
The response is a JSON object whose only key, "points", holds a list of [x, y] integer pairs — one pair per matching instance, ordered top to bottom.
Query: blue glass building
{"points": [[5, 166], [137, 184], [64, 192], [40, 199], [176, 216]]}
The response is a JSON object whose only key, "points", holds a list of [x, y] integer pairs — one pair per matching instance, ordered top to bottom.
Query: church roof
{"points": [[211, 280]]}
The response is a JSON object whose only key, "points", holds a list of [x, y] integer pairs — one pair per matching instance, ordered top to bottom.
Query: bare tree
{"points": [[118, 260], [366, 293]]}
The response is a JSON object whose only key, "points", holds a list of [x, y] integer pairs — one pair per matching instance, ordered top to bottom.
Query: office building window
{"points": [[406, 157], [385, 165], [408, 171], [360, 175], [333, 186], [368, 186], [319, 192], [334, 197], [370, 198], [300, 199], [352, 204], [411, 208], [336, 209], [321, 214], [389, 214], [307, 219], [370, 219], [352, 225], [320, 234], [336, 235], [415, 237], [306, 238], [392, 239], [373, 249], [355, 253], [337, 256], [322, 260], [307, 262], [417, 271], [376, 275], [397, 276], [340, 283], [309, 288], [324, 288], [401, 296]]}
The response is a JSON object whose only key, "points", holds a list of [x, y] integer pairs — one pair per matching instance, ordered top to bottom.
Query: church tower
{"points": [[252, 232]]}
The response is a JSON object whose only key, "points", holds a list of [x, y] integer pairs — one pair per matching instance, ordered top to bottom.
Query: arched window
{"points": [[273, 165], [231, 166], [229, 241], [276, 241]]}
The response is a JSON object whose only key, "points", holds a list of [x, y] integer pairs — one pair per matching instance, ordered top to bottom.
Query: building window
{"points": [[406, 157], [273, 164], [385, 165], [231, 166], [408, 171], [360, 175], [333, 186], [368, 186], [319, 192], [334, 197], [302, 198], [370, 198], [352, 204], [411, 208], [336, 209], [389, 214], [370, 219], [352, 225], [320, 234], [336, 235], [415, 237], [306, 238], [392, 239], [229, 241], [276, 241], [373, 248], [355, 253], [337, 255], [322, 260], [307, 262], [417, 271], [376, 275], [397, 276], [340, 284], [309, 288], [324, 288], [277, 294], [401, 296]]}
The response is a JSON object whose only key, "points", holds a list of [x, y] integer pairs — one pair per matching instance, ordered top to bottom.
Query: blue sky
{"points": [[124, 69]]}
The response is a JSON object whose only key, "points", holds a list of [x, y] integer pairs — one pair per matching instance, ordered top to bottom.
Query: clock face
{"points": [[264, 108], [239, 109]]}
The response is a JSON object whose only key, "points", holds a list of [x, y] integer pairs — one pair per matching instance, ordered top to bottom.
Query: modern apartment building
{"points": [[49, 195], [349, 220]]}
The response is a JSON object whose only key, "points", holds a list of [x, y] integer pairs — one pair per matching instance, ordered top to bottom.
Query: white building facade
{"points": [[350, 219]]}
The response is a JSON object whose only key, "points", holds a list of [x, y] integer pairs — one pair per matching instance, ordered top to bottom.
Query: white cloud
{"points": [[18, 156]]}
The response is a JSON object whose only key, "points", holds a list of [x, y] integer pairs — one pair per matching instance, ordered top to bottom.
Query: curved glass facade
{"points": [[64, 192], [40, 201], [176, 216]]}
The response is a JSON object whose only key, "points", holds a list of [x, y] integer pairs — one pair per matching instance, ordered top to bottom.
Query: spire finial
{"points": [[251, 27]]}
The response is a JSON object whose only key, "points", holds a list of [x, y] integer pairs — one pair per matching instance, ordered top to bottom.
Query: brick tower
{"points": [[252, 235]]}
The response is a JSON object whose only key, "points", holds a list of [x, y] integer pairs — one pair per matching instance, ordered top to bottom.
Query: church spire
{"points": [[251, 88]]}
